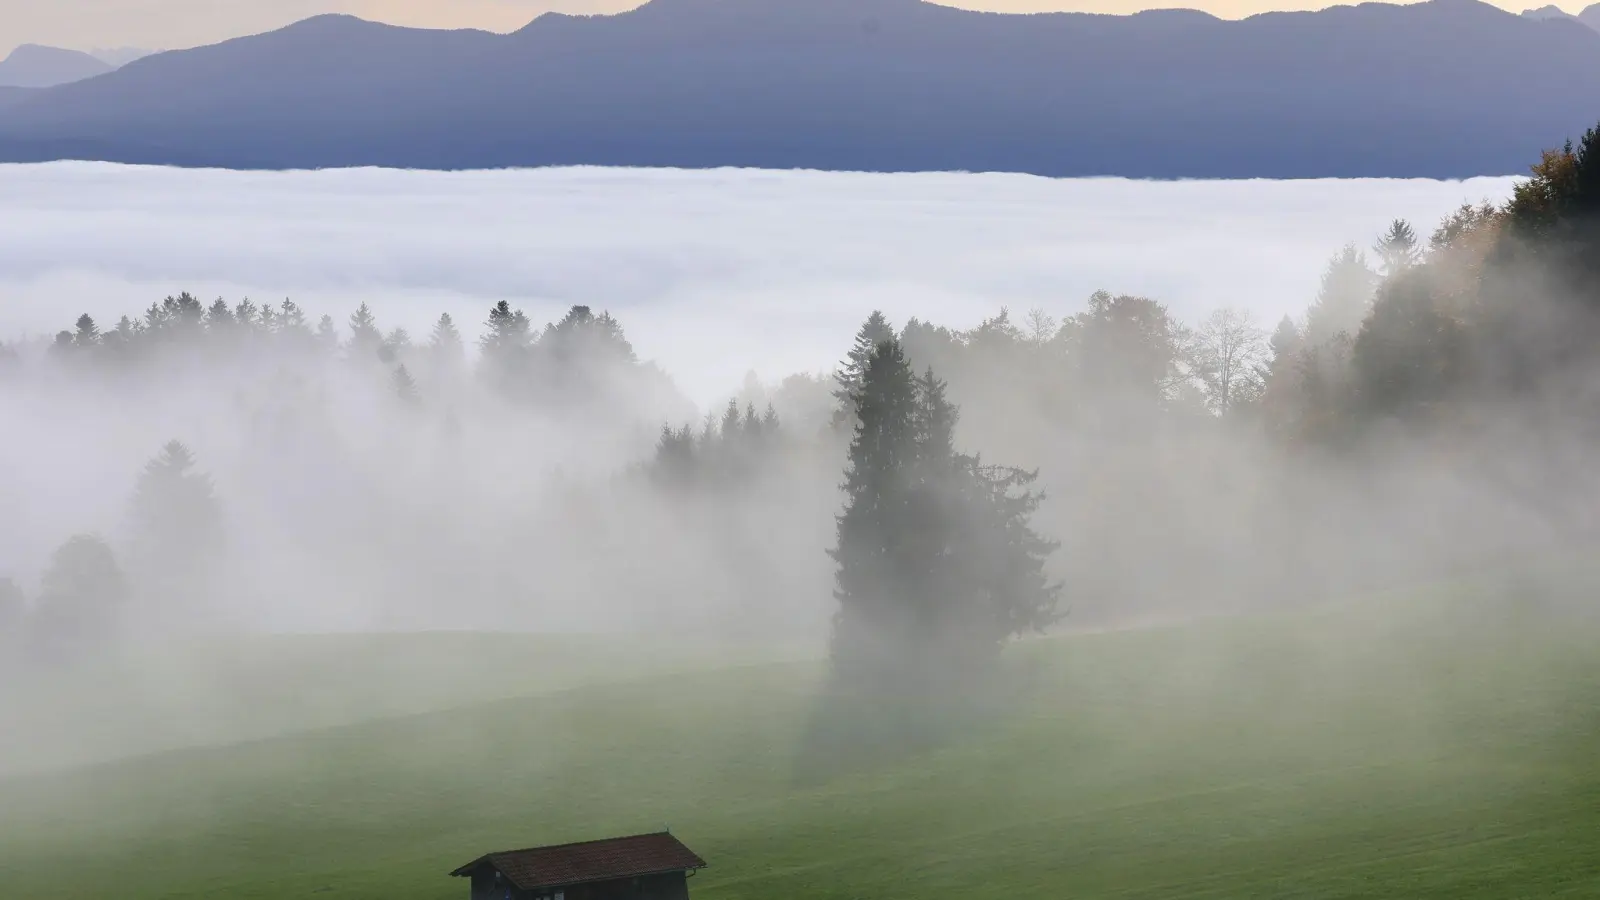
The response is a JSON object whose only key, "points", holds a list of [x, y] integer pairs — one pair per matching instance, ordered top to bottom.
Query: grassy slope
{"points": [[164, 698], [1449, 753]]}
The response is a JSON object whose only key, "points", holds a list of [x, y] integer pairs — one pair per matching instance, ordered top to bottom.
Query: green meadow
{"points": [[1442, 746]]}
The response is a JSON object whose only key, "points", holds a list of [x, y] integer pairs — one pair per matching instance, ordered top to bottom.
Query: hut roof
{"points": [[567, 864]]}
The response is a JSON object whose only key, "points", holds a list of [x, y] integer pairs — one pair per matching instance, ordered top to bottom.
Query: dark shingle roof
{"points": [[625, 857]]}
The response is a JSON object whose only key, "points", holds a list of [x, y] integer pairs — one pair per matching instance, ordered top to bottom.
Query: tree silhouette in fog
{"points": [[178, 535], [83, 599]]}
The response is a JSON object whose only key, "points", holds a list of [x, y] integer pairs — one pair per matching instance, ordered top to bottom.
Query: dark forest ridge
{"points": [[1447, 88]]}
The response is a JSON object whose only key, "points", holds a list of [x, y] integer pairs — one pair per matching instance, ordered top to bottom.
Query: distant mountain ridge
{"points": [[1590, 16], [117, 57], [33, 66], [1445, 88]]}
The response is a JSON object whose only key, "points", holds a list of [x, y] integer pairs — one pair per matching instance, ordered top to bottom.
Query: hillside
{"points": [[32, 66], [1438, 89], [180, 696], [1428, 750]]}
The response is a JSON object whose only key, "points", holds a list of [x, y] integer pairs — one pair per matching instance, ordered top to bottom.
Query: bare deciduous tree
{"points": [[1227, 354]]}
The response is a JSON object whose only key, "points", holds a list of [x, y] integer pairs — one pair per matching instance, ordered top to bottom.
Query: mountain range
{"points": [[1590, 15], [33, 66], [1444, 88]]}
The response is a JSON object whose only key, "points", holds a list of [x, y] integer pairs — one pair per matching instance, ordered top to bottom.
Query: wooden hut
{"points": [[641, 867]]}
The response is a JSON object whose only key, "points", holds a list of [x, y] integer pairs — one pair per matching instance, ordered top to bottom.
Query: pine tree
{"points": [[1397, 250], [1344, 300], [185, 314], [247, 316], [219, 318], [292, 323], [87, 335], [327, 335], [365, 338], [396, 345], [445, 345], [504, 346], [848, 378], [405, 387], [1283, 395], [936, 420], [675, 463], [177, 532], [938, 564], [870, 583]]}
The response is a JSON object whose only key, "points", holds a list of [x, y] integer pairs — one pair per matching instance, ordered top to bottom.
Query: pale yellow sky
{"points": [[167, 24]]}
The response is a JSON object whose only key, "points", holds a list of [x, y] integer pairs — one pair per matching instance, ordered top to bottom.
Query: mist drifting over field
{"points": [[523, 483]]}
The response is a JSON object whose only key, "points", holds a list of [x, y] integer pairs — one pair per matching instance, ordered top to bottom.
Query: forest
{"points": [[939, 494]]}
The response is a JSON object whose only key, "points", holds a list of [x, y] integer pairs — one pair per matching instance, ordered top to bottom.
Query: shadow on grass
{"points": [[859, 726]]}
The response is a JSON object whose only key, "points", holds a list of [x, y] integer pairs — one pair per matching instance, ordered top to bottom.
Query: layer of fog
{"points": [[714, 274], [347, 512]]}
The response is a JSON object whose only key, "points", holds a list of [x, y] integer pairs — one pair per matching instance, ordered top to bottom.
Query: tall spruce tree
{"points": [[1397, 249], [1344, 299], [872, 333], [87, 335], [327, 335], [508, 335], [365, 338], [445, 346], [873, 530], [177, 533], [938, 564]]}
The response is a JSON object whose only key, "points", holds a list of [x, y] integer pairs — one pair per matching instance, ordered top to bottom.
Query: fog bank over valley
{"points": [[683, 408]]}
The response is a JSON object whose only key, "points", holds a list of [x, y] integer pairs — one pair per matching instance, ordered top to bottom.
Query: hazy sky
{"points": [[169, 24]]}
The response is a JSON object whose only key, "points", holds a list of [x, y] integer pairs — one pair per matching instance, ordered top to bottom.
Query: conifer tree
{"points": [[1397, 250], [1344, 300], [184, 314], [247, 317], [219, 318], [292, 324], [872, 333], [87, 335], [327, 335], [507, 337], [365, 338], [396, 345], [445, 345], [405, 387], [732, 423], [177, 532], [938, 564], [870, 583]]}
